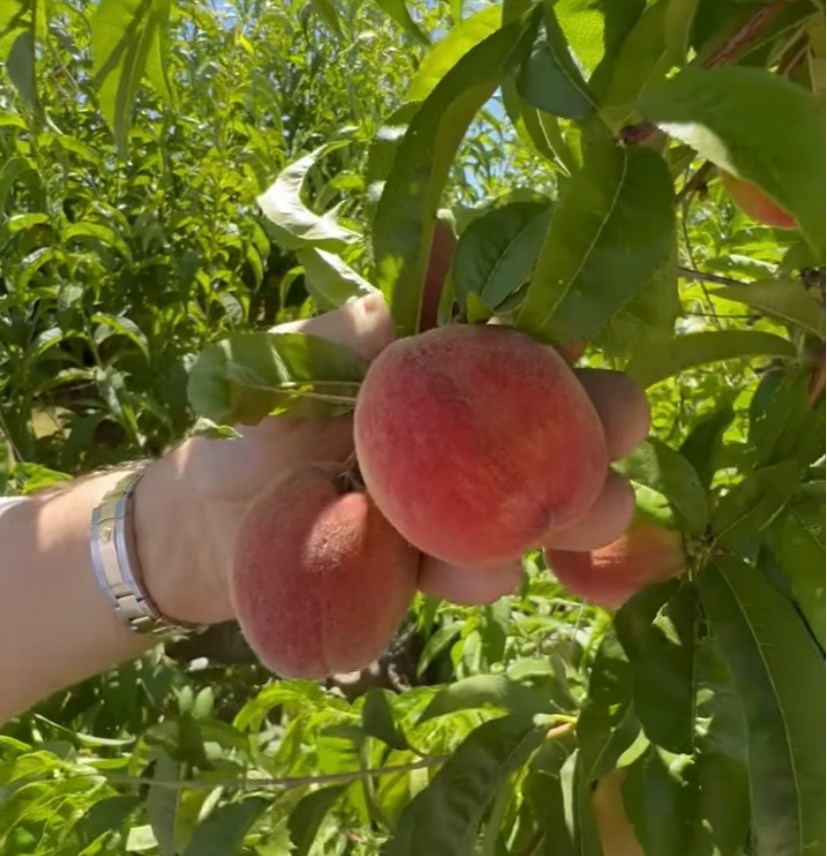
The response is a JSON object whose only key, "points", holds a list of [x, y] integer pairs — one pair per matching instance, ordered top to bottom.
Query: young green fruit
{"points": [[477, 442], [320, 579]]}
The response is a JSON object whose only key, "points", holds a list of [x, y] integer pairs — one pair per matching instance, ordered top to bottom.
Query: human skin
{"points": [[57, 628]]}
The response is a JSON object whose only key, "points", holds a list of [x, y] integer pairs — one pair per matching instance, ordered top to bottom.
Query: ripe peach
{"points": [[753, 201], [439, 263], [476, 442], [646, 553], [320, 579], [468, 585]]}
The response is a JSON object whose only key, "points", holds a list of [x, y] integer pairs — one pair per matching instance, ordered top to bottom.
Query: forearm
{"points": [[56, 626]]}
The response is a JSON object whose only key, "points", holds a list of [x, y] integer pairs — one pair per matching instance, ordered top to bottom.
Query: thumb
{"points": [[363, 325]]}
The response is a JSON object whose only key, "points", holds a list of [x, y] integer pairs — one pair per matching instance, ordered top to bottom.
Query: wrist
{"points": [[172, 550]]}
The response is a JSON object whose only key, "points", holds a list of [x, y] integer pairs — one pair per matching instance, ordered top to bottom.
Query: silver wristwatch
{"points": [[116, 566]]}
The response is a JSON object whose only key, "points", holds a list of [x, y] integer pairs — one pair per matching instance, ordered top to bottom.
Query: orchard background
{"points": [[173, 176]]}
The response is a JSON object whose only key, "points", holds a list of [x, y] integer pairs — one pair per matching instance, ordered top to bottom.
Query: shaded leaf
{"points": [[680, 17], [549, 79], [740, 119], [609, 233], [496, 253], [330, 280], [789, 301], [661, 360], [250, 375], [704, 442], [657, 466], [754, 503], [803, 554], [657, 630], [760, 634], [482, 690], [377, 720], [308, 816], [444, 818], [223, 832]]}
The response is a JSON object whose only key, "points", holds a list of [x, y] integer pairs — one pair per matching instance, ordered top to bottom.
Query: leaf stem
{"points": [[697, 181], [691, 273], [268, 782]]}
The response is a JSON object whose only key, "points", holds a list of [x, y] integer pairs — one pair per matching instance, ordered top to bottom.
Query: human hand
{"points": [[197, 496]]}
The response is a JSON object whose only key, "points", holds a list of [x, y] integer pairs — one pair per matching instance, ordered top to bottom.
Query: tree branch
{"points": [[744, 36], [695, 181], [690, 273], [266, 782]]}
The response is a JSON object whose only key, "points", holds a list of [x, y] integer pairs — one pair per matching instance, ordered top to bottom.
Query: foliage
{"points": [[576, 147]]}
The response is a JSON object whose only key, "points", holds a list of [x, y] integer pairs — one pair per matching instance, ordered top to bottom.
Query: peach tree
{"points": [[640, 186]]}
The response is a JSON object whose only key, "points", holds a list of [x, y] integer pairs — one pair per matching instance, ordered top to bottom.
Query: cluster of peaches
{"points": [[475, 444]]}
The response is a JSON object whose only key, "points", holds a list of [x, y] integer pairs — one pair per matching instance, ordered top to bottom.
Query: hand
{"points": [[197, 496]]}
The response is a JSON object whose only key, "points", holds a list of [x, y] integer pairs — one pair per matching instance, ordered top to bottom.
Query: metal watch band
{"points": [[116, 566]]}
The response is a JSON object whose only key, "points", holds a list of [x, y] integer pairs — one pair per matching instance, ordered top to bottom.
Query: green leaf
{"points": [[326, 10], [397, 10], [678, 24], [122, 36], [446, 53], [640, 59], [20, 65], [549, 79], [756, 125], [405, 216], [294, 225], [609, 233], [496, 253], [330, 280], [788, 301], [649, 316], [661, 360], [251, 375], [782, 422], [703, 444], [656, 466], [754, 503], [803, 554], [657, 630], [760, 635], [437, 643], [482, 690], [377, 720], [605, 728], [721, 752], [662, 797], [162, 804], [308, 816], [444, 818], [223, 832]]}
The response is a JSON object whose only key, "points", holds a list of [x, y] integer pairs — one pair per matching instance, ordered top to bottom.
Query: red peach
{"points": [[477, 442], [320, 579]]}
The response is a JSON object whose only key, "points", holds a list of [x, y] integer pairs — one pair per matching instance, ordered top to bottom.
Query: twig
{"points": [[744, 35], [791, 60], [695, 182], [691, 273], [266, 782]]}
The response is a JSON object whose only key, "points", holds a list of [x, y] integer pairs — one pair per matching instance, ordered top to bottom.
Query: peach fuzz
{"points": [[477, 442], [320, 579]]}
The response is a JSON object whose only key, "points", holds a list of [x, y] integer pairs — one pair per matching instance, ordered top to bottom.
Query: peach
{"points": [[753, 201], [439, 263], [477, 442], [646, 553], [320, 580], [473, 586]]}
